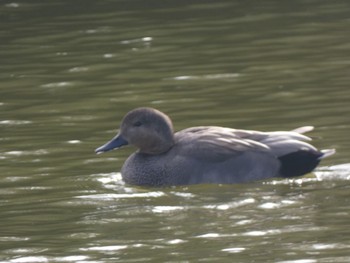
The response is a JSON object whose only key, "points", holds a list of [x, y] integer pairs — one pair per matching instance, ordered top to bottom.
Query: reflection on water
{"points": [[70, 72], [335, 172], [223, 219]]}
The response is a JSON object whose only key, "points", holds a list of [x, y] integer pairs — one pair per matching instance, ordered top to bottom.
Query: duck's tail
{"points": [[303, 129], [326, 153]]}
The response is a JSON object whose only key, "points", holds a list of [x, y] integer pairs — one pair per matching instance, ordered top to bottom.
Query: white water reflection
{"points": [[138, 40], [209, 76], [14, 122], [27, 153], [334, 172], [108, 197], [231, 205], [165, 209], [105, 248], [233, 249], [299, 261]]}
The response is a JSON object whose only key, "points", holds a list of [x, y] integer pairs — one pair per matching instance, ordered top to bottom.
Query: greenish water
{"points": [[69, 71]]}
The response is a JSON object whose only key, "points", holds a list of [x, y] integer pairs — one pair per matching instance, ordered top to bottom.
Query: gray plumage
{"points": [[209, 154]]}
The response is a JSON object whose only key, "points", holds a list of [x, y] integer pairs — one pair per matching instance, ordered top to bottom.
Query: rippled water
{"points": [[71, 69]]}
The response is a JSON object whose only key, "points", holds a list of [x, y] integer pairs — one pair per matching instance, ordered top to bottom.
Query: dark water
{"points": [[69, 70]]}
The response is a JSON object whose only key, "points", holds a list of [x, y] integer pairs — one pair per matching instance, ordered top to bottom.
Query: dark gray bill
{"points": [[117, 142]]}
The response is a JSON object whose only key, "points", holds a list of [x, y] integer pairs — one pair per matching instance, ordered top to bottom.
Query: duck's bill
{"points": [[117, 142]]}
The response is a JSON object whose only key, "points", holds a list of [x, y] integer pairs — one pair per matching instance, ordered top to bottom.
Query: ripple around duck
{"points": [[334, 172], [108, 197]]}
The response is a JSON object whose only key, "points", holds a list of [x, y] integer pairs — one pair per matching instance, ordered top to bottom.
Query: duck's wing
{"points": [[215, 143], [218, 143], [279, 143], [283, 143]]}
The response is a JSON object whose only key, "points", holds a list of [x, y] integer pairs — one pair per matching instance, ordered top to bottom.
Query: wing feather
{"points": [[218, 143]]}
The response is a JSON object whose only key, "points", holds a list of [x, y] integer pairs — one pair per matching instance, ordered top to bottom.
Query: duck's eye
{"points": [[137, 124]]}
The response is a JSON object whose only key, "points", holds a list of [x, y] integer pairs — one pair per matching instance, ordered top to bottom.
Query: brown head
{"points": [[148, 129]]}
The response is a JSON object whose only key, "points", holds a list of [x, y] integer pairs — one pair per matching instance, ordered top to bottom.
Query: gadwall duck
{"points": [[208, 154]]}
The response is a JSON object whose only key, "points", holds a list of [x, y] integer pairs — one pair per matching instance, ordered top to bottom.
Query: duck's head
{"points": [[148, 129]]}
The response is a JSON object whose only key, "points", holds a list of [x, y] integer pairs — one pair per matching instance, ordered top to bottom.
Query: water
{"points": [[71, 69]]}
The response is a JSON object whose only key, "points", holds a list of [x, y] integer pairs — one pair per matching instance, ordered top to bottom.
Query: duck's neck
{"points": [[159, 145]]}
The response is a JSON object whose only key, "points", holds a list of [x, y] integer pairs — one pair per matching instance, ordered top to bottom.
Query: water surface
{"points": [[69, 71]]}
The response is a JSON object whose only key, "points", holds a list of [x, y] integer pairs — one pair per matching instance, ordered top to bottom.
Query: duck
{"points": [[208, 154]]}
